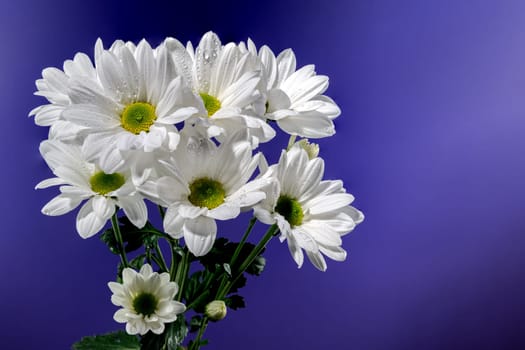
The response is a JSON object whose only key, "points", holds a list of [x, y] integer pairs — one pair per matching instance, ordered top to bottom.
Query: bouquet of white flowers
{"points": [[178, 127]]}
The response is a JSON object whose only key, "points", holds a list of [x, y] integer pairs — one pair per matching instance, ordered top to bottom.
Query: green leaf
{"points": [[133, 237], [257, 266], [235, 302], [195, 323], [111, 341]]}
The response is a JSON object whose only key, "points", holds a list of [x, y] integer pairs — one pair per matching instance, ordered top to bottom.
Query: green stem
{"points": [[161, 212], [118, 238], [243, 240], [173, 244], [238, 250], [255, 252], [162, 261], [182, 272], [197, 342]]}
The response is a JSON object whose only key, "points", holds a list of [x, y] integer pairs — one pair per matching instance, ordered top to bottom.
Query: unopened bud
{"points": [[312, 149], [216, 310]]}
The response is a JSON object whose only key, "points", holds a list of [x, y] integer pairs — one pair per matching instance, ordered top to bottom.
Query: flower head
{"points": [[227, 82], [295, 98], [132, 103], [80, 181], [207, 183], [312, 215], [146, 298]]}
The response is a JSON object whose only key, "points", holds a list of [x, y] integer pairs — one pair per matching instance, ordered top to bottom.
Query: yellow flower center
{"points": [[211, 103], [137, 117], [103, 183], [205, 192], [291, 210], [145, 304]]}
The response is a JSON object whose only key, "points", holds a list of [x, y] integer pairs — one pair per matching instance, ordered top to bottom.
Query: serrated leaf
{"points": [[257, 266], [235, 302], [195, 323], [111, 341]]}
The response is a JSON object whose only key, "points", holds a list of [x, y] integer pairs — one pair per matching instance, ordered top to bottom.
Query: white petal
{"points": [[309, 124], [54, 181], [61, 204], [324, 204], [103, 207], [135, 209], [188, 211], [225, 211], [173, 222], [89, 223], [199, 235], [316, 258]]}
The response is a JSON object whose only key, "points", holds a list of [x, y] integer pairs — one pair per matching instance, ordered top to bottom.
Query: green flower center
{"points": [[212, 104], [137, 117], [103, 183], [205, 192], [290, 209], [145, 304]]}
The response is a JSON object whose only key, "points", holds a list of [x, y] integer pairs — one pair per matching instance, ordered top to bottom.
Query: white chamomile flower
{"points": [[227, 82], [54, 86], [295, 98], [133, 105], [80, 180], [208, 183], [311, 214], [146, 298]]}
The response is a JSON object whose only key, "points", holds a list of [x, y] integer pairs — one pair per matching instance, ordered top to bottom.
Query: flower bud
{"points": [[312, 149], [216, 310]]}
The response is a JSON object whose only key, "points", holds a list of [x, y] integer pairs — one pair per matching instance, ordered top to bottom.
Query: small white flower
{"points": [[227, 82], [54, 86], [295, 98], [132, 105], [80, 180], [208, 183], [311, 214], [147, 301]]}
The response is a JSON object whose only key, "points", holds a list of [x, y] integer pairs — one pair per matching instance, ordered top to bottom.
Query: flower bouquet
{"points": [[179, 127]]}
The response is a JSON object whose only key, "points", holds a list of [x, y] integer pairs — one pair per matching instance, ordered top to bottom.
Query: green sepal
{"points": [[110, 341]]}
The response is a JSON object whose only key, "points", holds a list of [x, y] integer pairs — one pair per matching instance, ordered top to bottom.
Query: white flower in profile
{"points": [[227, 82], [54, 86], [295, 98], [132, 105], [80, 180], [208, 183], [311, 214], [146, 298]]}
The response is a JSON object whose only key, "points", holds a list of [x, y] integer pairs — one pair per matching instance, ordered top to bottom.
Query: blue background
{"points": [[430, 142]]}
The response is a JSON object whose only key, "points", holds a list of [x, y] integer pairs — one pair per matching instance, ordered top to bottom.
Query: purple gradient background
{"points": [[430, 142]]}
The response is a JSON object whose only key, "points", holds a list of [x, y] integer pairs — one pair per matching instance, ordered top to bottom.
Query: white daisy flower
{"points": [[227, 82], [54, 86], [295, 98], [133, 105], [80, 180], [208, 183], [311, 214], [147, 301]]}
